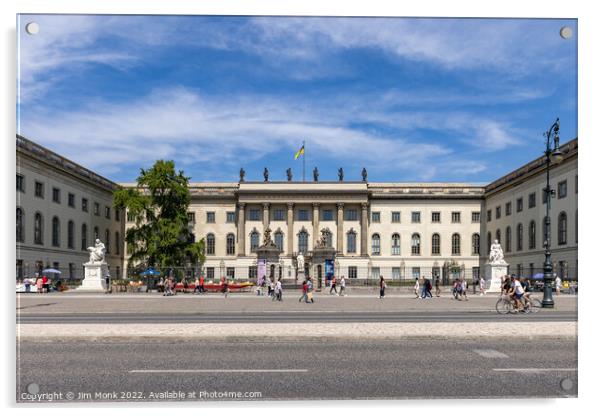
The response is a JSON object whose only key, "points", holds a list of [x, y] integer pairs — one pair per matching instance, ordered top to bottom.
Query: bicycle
{"points": [[505, 305]]}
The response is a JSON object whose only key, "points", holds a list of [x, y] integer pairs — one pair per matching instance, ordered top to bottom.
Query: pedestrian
{"points": [[108, 283], [27, 284], [45, 284], [202, 284], [558, 284], [39, 285], [161, 285], [333, 285], [342, 285], [197, 286], [270, 286], [383, 286], [481, 286], [464, 287], [225, 288], [417, 288], [427, 288], [437, 288], [278, 290], [304, 291], [310, 291], [423, 291]]}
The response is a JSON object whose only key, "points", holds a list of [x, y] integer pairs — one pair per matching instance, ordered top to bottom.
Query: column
{"points": [[340, 207], [266, 215], [316, 222], [241, 229], [290, 231], [364, 243]]}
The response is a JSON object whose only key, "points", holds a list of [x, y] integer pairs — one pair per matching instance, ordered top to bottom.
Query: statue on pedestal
{"points": [[266, 174], [289, 174], [316, 174], [340, 174], [242, 175], [364, 175], [267, 238], [97, 252], [496, 254], [300, 263]]}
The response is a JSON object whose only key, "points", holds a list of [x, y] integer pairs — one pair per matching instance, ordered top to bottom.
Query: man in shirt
{"points": [[516, 291]]}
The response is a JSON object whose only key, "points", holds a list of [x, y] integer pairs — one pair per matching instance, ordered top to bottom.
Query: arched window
{"points": [[562, 228], [38, 229], [56, 232], [96, 233], [71, 234], [20, 235], [532, 235], [547, 235], [498, 236], [84, 237], [519, 237], [303, 238], [351, 239], [488, 239], [508, 239], [279, 240], [107, 241], [117, 241], [254, 241], [230, 243], [375, 244], [416, 244], [436, 244], [456, 244], [476, 244], [395, 245], [210, 246]]}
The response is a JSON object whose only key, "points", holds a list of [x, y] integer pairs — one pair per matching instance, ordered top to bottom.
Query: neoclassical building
{"points": [[397, 230]]}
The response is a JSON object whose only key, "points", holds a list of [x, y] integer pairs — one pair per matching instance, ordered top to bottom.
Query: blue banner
{"points": [[329, 269]]}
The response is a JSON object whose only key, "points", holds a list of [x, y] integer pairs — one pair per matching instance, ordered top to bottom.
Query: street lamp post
{"points": [[551, 155]]}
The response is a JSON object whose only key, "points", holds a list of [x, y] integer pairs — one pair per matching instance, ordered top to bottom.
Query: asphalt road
{"points": [[289, 317], [295, 370]]}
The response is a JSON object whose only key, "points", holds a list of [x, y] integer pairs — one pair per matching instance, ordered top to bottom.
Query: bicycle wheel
{"points": [[535, 305], [502, 306]]}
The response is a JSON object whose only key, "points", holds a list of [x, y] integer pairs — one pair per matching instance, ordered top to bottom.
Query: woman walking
{"points": [[383, 286], [417, 288]]}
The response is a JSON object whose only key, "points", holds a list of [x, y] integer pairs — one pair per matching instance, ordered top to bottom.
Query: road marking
{"points": [[491, 354], [225, 370], [533, 370]]}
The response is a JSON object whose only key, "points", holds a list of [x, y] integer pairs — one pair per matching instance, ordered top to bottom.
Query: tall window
{"points": [[20, 183], [39, 189], [562, 189], [56, 195], [519, 204], [508, 208], [254, 214], [278, 214], [303, 215], [327, 215], [351, 215], [231, 216], [375, 216], [395, 216], [416, 216], [435, 216], [476, 216], [210, 217], [455, 217], [562, 228], [56, 232], [71, 234], [20, 235], [96, 235], [532, 235], [498, 236], [84, 237], [519, 237], [303, 238], [508, 239], [107, 240], [279, 240], [351, 240], [254, 241], [117, 242], [230, 242], [375, 244], [415, 244], [436, 244], [456, 244], [476, 244], [210, 245], [395, 245], [352, 272]]}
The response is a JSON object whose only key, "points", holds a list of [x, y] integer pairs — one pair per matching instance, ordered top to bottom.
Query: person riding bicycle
{"points": [[526, 288], [516, 292]]}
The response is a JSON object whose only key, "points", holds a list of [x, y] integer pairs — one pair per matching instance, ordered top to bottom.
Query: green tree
{"points": [[159, 207]]}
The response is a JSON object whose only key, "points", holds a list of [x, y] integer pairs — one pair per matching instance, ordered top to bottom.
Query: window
{"points": [[20, 183], [39, 189], [562, 189], [71, 200], [531, 200], [84, 205], [519, 205], [96, 208], [508, 208], [107, 212], [498, 212], [117, 214], [254, 214], [278, 214], [303, 215], [327, 215], [351, 215], [488, 215], [231, 216], [375, 216], [395, 216], [435, 216], [476, 216], [130, 217], [191, 217], [210, 217], [415, 217], [455, 217], [562, 228], [56, 232], [96, 233], [71, 234], [20, 235], [532, 235], [547, 235], [498, 236], [519, 237], [508, 239], [279, 240], [351, 240], [107, 241], [254, 241], [302, 241], [117, 242], [230, 242], [415, 244], [436, 244], [455, 244], [476, 244], [84, 245], [210, 245], [376, 245], [395, 245], [252, 272], [352, 272], [415, 272], [476, 272], [210, 273], [230, 273], [375, 273], [396, 273]]}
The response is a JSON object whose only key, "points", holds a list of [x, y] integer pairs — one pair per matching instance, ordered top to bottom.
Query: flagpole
{"points": [[304, 151]]}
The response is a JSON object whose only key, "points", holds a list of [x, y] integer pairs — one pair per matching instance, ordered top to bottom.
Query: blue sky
{"points": [[454, 100]]}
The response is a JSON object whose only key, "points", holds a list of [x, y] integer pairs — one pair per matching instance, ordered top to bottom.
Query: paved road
{"points": [[290, 317], [298, 370]]}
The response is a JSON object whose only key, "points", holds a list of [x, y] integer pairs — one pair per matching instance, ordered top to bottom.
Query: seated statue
{"points": [[97, 253], [496, 254]]}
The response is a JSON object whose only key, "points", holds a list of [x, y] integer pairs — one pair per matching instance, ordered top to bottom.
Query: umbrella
{"points": [[51, 271], [150, 272]]}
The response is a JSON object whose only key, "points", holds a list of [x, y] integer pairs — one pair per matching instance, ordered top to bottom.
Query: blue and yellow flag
{"points": [[300, 152]]}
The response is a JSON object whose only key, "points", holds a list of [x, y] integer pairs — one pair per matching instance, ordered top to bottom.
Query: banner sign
{"points": [[329, 269], [261, 271]]}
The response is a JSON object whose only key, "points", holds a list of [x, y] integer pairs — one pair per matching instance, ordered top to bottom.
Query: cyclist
{"points": [[526, 288], [516, 292]]}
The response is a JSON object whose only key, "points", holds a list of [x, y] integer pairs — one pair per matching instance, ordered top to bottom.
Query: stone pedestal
{"points": [[493, 276], [94, 277]]}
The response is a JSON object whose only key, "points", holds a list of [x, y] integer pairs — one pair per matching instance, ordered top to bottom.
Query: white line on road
{"points": [[491, 354], [225, 370], [533, 370]]}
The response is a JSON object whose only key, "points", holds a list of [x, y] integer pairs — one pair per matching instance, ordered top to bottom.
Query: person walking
{"points": [[108, 283], [27, 284], [558, 284], [39, 285], [333, 285], [342, 285], [383, 286], [464, 287], [225, 288], [427, 288], [437, 288], [416, 289], [278, 290], [310, 290], [304, 291]]}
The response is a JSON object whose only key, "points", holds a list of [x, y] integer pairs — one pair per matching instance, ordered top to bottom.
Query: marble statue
{"points": [[266, 174], [289, 174], [316, 174], [340, 174], [242, 175], [364, 175], [267, 239], [97, 253], [496, 254], [300, 261]]}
